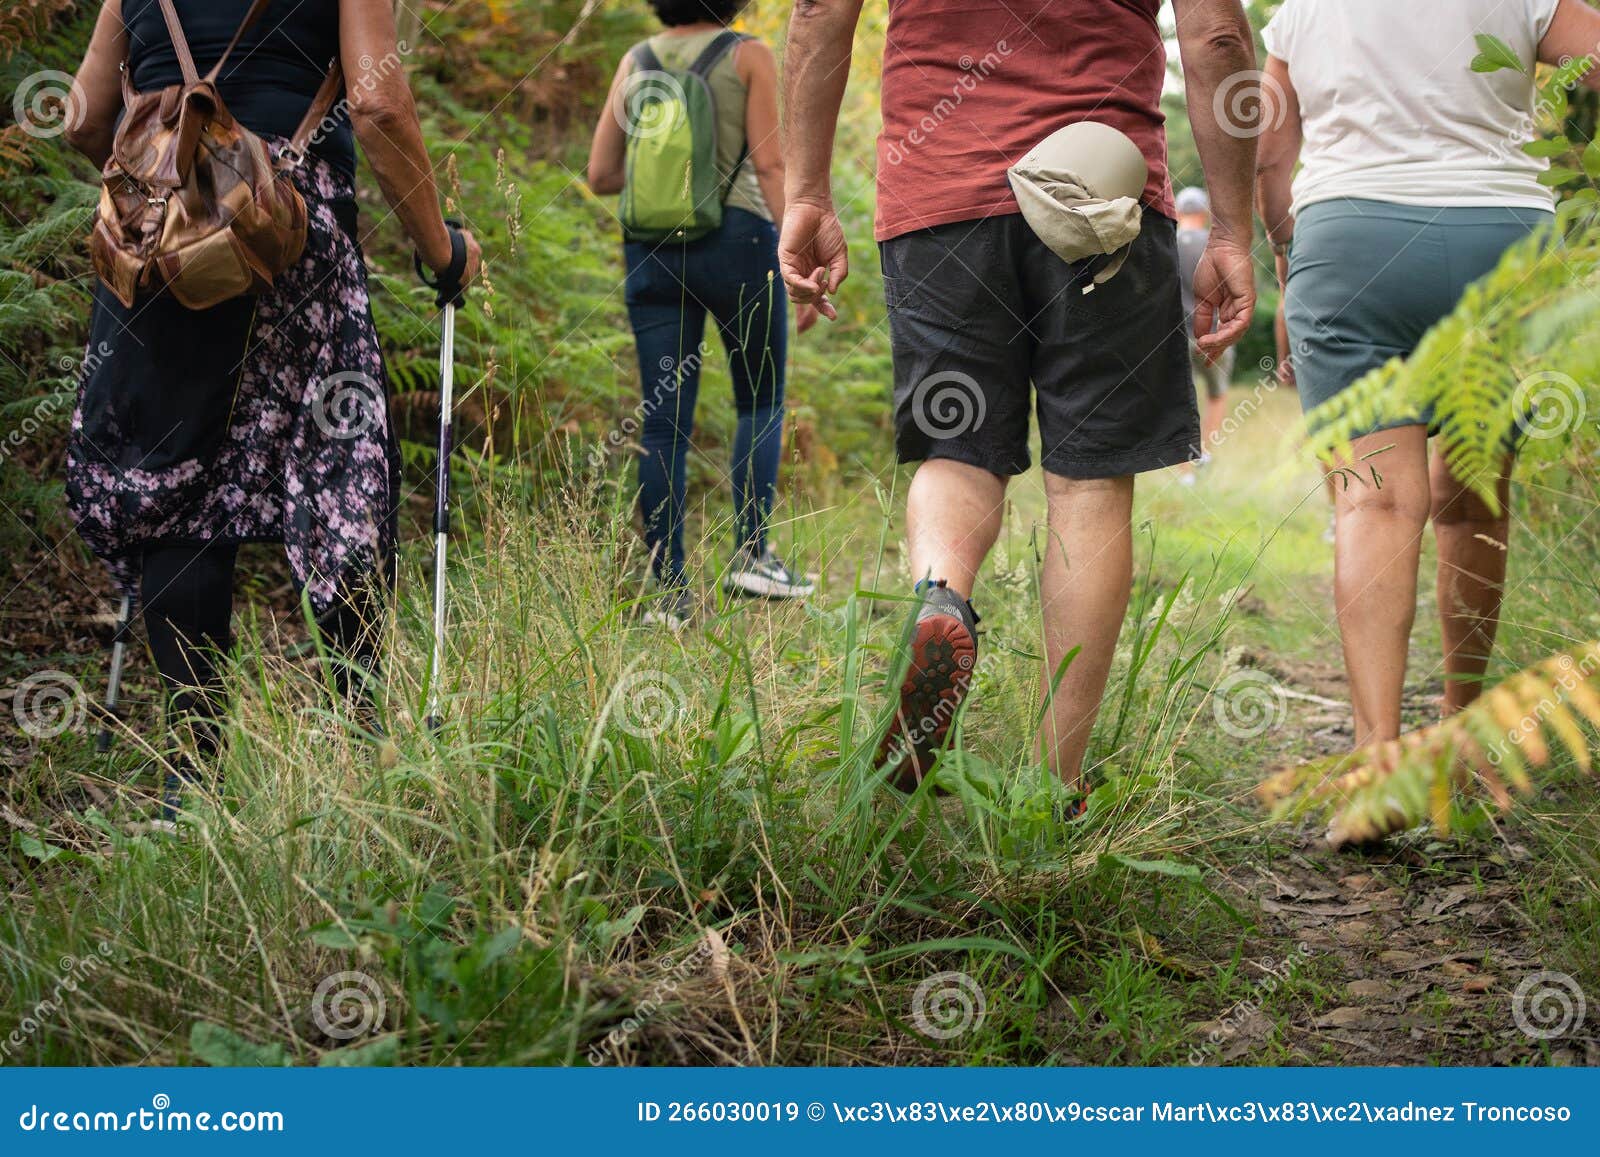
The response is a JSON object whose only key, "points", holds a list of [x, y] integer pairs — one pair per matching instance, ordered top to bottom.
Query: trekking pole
{"points": [[451, 293], [119, 654]]}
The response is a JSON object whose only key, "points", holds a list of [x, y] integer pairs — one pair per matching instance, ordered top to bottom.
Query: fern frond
{"points": [[25, 20], [1521, 724]]}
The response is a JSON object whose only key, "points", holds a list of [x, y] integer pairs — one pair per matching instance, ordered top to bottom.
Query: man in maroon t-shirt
{"points": [[987, 322]]}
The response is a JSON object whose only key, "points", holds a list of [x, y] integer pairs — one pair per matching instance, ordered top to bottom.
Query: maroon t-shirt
{"points": [[969, 86]]}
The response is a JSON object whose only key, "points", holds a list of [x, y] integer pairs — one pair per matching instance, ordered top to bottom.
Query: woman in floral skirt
{"points": [[265, 418]]}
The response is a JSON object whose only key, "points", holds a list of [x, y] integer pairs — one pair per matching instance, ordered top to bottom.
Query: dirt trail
{"points": [[1416, 947]]}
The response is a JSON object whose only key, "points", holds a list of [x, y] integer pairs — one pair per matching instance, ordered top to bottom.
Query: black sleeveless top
{"points": [[271, 77]]}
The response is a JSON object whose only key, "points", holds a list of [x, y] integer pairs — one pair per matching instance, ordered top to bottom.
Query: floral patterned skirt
{"points": [[263, 419]]}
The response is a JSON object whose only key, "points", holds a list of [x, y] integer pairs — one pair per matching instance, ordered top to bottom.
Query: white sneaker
{"points": [[764, 576], [672, 609]]}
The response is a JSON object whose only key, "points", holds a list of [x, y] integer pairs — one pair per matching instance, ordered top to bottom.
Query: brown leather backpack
{"points": [[192, 200]]}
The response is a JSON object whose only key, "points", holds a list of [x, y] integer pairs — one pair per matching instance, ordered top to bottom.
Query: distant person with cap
{"points": [[1391, 178], [988, 321], [1214, 371]]}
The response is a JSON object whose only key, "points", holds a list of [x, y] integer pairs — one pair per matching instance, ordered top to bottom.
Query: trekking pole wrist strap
{"points": [[449, 286]]}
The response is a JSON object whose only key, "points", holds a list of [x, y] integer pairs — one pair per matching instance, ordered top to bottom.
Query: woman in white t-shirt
{"points": [[1412, 184]]}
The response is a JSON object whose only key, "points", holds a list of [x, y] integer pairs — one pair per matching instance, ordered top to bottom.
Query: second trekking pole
{"points": [[451, 293]]}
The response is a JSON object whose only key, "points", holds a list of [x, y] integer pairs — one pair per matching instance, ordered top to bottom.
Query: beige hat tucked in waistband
{"points": [[1079, 190]]}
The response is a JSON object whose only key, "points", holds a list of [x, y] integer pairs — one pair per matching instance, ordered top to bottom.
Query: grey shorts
{"points": [[1368, 278], [987, 324]]}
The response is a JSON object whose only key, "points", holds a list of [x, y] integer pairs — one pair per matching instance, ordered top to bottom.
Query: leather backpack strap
{"points": [[256, 12], [180, 43], [321, 105]]}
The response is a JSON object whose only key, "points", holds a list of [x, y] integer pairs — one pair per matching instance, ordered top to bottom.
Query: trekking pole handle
{"points": [[449, 285]]}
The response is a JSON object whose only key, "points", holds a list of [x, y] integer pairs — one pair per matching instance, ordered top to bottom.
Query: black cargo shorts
{"points": [[985, 321]]}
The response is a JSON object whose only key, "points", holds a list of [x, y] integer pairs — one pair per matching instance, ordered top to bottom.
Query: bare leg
{"points": [[1216, 412], [953, 516], [1378, 545], [1088, 570], [1472, 574]]}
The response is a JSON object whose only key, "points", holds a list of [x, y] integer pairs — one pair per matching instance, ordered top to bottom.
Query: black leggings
{"points": [[187, 594]]}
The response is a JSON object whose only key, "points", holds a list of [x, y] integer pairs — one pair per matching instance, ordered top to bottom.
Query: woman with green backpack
{"points": [[689, 139]]}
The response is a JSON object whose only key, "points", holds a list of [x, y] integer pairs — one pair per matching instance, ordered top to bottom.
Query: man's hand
{"points": [[812, 255], [1224, 295], [805, 316]]}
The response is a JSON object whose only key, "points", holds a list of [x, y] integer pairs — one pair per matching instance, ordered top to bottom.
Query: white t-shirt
{"points": [[1392, 111]]}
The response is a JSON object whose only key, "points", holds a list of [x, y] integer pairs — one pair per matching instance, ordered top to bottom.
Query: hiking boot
{"points": [[763, 576], [672, 608], [944, 654], [1076, 805]]}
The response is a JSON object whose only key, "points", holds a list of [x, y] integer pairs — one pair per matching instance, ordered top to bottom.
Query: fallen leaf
{"points": [[1323, 911], [1400, 960], [1368, 989], [1349, 1017]]}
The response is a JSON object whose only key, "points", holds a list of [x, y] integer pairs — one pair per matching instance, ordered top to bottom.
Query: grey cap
{"points": [[1193, 199]]}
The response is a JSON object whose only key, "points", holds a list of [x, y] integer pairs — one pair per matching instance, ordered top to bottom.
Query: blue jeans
{"points": [[732, 274]]}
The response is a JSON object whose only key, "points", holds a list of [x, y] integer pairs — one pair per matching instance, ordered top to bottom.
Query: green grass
{"points": [[602, 797], [617, 820]]}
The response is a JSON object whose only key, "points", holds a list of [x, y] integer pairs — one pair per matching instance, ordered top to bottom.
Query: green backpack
{"points": [[671, 190]]}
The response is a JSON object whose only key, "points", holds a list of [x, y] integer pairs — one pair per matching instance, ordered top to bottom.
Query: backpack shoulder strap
{"points": [[257, 10], [180, 43], [715, 51], [645, 58], [709, 58], [327, 96]]}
